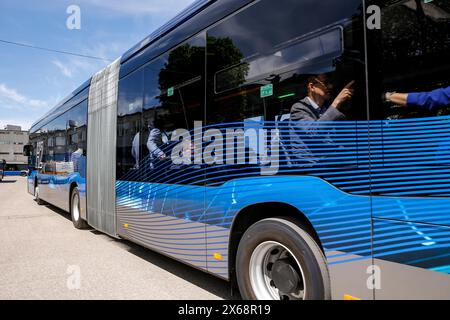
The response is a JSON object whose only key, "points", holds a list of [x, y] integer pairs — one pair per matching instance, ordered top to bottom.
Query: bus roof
{"points": [[183, 16], [60, 108]]}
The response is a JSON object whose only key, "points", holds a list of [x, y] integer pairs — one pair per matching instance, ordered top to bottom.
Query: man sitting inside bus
{"points": [[310, 115]]}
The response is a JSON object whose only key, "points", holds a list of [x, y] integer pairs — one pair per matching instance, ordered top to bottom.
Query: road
{"points": [[42, 256]]}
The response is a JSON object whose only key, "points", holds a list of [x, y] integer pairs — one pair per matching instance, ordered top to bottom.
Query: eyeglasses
{"points": [[325, 84]]}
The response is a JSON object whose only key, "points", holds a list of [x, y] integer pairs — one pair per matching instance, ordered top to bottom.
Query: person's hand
{"points": [[345, 95], [387, 96], [399, 99], [162, 157]]}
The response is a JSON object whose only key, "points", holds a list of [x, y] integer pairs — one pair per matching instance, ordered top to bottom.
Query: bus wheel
{"points": [[36, 196], [78, 222], [278, 260]]}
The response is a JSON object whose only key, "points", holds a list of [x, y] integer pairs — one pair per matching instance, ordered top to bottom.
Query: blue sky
{"points": [[33, 81]]}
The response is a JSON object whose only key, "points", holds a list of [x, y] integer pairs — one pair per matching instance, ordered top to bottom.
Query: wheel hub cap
{"points": [[285, 276]]}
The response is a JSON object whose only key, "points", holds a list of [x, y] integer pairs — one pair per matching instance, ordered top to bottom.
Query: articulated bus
{"points": [[261, 142]]}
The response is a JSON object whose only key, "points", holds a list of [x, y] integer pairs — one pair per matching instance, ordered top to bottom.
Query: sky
{"points": [[34, 81]]}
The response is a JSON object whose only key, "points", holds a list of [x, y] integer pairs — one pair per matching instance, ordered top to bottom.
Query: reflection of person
{"points": [[427, 100], [307, 113], [154, 142], [135, 150], [79, 161]]}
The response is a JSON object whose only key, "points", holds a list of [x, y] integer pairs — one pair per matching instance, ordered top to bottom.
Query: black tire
{"points": [[38, 200], [75, 214], [297, 249]]}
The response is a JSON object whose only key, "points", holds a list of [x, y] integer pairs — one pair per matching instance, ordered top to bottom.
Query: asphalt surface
{"points": [[42, 256]]}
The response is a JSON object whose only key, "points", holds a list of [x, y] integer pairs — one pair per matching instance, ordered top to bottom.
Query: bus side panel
{"points": [[166, 218], [342, 222], [412, 260]]}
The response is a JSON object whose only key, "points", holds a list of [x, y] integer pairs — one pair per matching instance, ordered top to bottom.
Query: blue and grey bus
{"points": [[299, 149]]}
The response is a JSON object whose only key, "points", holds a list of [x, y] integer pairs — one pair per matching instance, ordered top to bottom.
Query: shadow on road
{"points": [[8, 181], [59, 211], [212, 284]]}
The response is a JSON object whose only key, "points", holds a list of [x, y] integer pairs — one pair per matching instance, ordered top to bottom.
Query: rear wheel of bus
{"points": [[78, 222], [278, 260]]}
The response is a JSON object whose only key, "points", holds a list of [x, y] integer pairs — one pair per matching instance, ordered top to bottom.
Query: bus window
{"points": [[415, 55], [259, 65], [173, 99], [129, 115], [76, 120]]}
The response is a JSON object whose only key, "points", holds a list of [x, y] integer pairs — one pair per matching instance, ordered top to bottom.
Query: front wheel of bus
{"points": [[78, 222], [278, 260]]}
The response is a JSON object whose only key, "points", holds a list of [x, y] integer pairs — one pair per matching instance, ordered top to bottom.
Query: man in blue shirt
{"points": [[427, 100]]}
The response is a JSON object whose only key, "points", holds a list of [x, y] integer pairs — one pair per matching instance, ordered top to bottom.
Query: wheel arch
{"points": [[251, 214]]}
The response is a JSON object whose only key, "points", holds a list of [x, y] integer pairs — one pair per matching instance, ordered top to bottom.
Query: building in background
{"points": [[12, 140]]}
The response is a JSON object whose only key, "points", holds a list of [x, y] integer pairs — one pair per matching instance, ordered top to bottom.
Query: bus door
{"points": [[410, 149]]}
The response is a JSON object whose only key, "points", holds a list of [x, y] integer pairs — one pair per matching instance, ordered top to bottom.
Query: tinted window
{"points": [[268, 24], [415, 43], [282, 44], [260, 63], [174, 86], [164, 95], [129, 115], [76, 121], [61, 138], [56, 140], [410, 143]]}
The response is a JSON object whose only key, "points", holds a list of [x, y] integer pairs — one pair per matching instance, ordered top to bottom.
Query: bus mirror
{"points": [[27, 150]]}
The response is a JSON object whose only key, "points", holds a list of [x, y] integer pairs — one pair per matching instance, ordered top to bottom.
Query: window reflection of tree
{"points": [[415, 46], [223, 54], [183, 73]]}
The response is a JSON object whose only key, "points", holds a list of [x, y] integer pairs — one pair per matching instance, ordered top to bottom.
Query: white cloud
{"points": [[79, 67], [63, 68], [10, 98]]}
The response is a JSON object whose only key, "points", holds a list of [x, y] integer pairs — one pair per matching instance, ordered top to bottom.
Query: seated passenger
{"points": [[307, 114], [154, 142], [78, 159]]}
